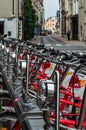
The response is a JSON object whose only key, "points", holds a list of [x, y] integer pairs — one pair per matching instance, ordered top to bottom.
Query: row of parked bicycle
{"points": [[41, 89]]}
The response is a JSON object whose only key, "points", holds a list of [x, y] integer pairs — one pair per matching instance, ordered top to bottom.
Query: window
{"points": [[9, 33]]}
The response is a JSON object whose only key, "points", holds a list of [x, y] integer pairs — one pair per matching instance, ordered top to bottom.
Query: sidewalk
{"points": [[36, 40], [72, 42]]}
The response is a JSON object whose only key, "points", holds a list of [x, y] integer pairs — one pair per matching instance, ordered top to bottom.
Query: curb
{"points": [[66, 42]]}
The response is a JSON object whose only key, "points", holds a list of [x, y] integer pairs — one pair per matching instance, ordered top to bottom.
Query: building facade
{"points": [[39, 8], [75, 15], [9, 17], [62, 17], [69, 17], [82, 20], [50, 24]]}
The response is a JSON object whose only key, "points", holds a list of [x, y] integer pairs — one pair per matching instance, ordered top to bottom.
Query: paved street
{"points": [[60, 44]]}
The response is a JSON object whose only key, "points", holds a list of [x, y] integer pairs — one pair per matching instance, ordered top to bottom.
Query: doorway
{"points": [[1, 27], [75, 27]]}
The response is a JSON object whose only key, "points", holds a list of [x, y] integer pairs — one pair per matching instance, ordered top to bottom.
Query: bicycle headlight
{"points": [[0, 44], [3, 46], [7, 49], [14, 55], [22, 64], [45, 92]]}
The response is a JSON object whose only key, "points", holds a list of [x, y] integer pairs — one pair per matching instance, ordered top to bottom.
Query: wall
{"points": [[75, 7], [5, 8], [8, 9], [82, 20], [50, 24], [10, 25]]}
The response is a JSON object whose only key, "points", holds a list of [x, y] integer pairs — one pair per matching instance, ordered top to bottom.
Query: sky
{"points": [[50, 7]]}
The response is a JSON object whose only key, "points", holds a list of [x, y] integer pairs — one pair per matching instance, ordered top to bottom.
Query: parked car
{"points": [[49, 32], [43, 33]]}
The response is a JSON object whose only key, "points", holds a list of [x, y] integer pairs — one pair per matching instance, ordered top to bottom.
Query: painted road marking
{"points": [[58, 44], [48, 45], [68, 45]]}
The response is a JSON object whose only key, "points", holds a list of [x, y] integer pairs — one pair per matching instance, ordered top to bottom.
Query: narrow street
{"points": [[50, 41]]}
